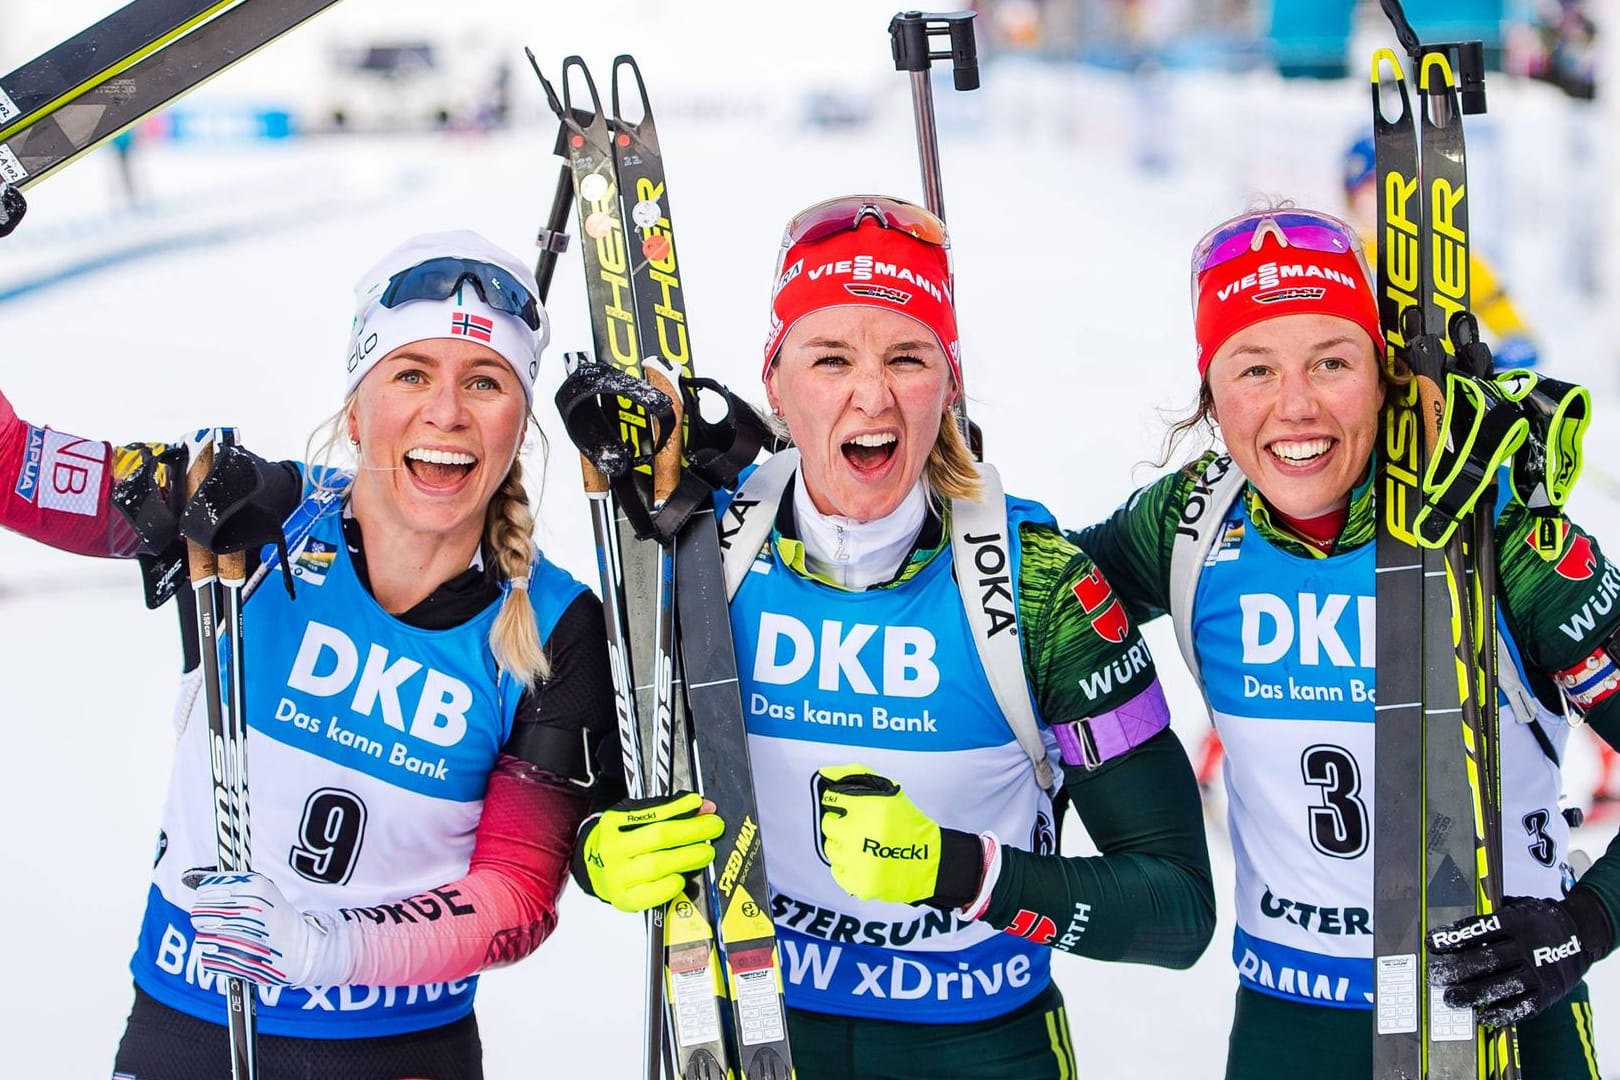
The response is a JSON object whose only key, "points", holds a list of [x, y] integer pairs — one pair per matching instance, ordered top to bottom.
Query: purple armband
{"points": [[1097, 739]]}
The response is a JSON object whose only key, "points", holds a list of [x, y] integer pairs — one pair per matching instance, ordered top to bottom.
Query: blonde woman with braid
{"points": [[428, 702]]}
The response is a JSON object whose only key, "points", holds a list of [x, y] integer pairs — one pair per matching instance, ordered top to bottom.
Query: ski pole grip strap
{"points": [[588, 401], [1558, 413], [1481, 430], [719, 450], [1090, 741]]}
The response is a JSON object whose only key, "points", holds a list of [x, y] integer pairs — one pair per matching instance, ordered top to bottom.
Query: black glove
{"points": [[240, 504], [1510, 965]]}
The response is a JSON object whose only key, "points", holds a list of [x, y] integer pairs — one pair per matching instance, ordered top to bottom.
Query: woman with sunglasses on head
{"points": [[1276, 618], [428, 700], [906, 801]]}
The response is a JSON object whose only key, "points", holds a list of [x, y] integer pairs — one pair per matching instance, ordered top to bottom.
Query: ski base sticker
{"points": [[11, 170], [1397, 994], [1448, 1024]]}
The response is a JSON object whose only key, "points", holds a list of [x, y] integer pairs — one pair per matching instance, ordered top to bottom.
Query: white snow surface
{"points": [[1072, 294]]}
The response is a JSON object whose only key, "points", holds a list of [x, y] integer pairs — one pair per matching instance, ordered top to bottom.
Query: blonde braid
{"points": [[509, 537]]}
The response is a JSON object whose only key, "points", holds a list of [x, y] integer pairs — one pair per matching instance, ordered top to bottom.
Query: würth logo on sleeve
{"points": [[474, 326], [1098, 600]]}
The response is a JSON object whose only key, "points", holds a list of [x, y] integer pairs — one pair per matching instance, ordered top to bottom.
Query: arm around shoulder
{"points": [[1148, 897]]}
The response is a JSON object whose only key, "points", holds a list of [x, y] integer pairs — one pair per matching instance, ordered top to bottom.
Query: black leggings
{"points": [[1278, 1039], [161, 1043], [1030, 1043]]}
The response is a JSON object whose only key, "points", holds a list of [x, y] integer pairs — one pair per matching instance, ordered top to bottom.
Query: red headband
{"points": [[870, 266], [1276, 280]]}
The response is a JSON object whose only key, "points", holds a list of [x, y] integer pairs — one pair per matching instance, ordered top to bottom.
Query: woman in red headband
{"points": [[1275, 615], [925, 663]]}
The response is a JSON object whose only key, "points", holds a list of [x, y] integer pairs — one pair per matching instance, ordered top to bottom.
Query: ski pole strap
{"points": [[590, 409], [1480, 430], [719, 450], [1549, 463], [149, 493]]}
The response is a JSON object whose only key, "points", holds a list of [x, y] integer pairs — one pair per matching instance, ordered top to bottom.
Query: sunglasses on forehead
{"points": [[849, 212], [1304, 230], [442, 278]]}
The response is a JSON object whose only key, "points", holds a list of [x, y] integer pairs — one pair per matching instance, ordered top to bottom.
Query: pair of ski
{"points": [[111, 75], [1438, 844], [714, 971]]}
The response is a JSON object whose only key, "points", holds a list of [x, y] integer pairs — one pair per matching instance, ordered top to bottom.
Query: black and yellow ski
{"points": [[78, 121], [1438, 848]]}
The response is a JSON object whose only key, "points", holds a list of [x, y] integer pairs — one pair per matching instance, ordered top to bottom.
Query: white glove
{"points": [[247, 929]]}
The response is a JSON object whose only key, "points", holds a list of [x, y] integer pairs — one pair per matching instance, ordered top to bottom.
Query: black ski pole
{"points": [[909, 39], [553, 235], [553, 241], [609, 564], [227, 758]]}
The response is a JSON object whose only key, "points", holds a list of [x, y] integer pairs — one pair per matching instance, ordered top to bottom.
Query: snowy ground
{"points": [[1073, 295]]}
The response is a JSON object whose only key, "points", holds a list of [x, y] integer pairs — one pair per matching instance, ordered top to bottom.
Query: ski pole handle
{"points": [[909, 34], [553, 235], [667, 462], [202, 563]]}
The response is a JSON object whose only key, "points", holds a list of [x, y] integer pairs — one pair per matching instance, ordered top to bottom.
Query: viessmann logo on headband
{"points": [[866, 268], [1270, 276]]}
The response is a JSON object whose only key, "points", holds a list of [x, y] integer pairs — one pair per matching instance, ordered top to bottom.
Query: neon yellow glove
{"points": [[882, 847], [637, 855]]}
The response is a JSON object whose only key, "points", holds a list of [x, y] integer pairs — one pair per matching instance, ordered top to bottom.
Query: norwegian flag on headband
{"points": [[473, 326]]}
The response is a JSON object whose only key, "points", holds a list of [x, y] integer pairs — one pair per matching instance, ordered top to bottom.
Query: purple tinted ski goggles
{"points": [[1307, 230]]}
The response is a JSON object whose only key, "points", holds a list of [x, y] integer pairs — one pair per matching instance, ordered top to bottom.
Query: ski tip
{"points": [[1381, 56], [1436, 61]]}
